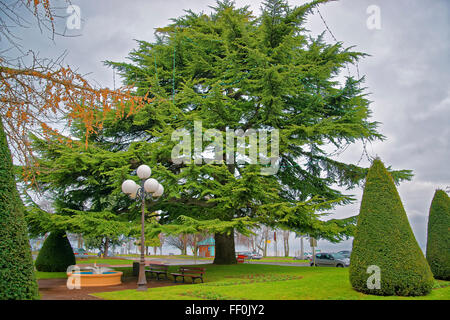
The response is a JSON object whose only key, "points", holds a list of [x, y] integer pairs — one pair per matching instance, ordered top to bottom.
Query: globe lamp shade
{"points": [[144, 171], [151, 185], [129, 186], [159, 192], [134, 194]]}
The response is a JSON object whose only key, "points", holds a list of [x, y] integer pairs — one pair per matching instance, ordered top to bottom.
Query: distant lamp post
{"points": [[148, 188]]}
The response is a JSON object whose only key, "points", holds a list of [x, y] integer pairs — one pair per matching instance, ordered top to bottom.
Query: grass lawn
{"points": [[281, 259], [105, 261], [50, 275], [267, 282]]}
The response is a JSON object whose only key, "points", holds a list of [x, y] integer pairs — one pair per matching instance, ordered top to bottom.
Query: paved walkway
{"points": [[171, 262], [175, 262], [185, 262]]}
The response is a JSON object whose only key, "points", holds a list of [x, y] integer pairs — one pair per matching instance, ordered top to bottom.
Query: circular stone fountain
{"points": [[92, 276]]}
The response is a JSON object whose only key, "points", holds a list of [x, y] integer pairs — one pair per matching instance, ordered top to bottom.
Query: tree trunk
{"points": [[286, 234], [266, 238], [80, 240], [185, 241], [195, 245], [286, 247], [225, 251], [302, 251], [105, 252]]}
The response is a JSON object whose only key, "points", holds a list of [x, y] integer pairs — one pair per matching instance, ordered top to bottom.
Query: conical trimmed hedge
{"points": [[384, 239], [438, 242], [56, 253], [17, 279]]}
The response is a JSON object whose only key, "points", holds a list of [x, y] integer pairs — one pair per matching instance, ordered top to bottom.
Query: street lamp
{"points": [[149, 187]]}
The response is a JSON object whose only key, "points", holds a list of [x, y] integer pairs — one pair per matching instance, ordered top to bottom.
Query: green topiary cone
{"points": [[384, 238], [438, 240], [56, 253], [17, 279]]}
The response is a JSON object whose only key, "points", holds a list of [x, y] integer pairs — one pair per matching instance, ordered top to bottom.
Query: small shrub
{"points": [[438, 239], [56, 253]]}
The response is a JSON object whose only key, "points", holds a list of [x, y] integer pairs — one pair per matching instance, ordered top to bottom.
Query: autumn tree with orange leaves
{"points": [[36, 95]]}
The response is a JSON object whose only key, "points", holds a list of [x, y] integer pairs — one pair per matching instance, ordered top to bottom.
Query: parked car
{"points": [[80, 253], [345, 253], [249, 255], [256, 256], [306, 256], [330, 260]]}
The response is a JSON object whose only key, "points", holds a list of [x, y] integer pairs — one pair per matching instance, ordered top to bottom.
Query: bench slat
{"points": [[192, 272]]}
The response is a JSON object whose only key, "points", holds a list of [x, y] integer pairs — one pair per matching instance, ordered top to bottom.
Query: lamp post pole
{"points": [[148, 187], [142, 281]]}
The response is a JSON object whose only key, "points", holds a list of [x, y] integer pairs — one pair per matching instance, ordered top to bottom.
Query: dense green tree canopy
{"points": [[231, 70]]}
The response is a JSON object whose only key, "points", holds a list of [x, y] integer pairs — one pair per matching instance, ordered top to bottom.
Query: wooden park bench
{"points": [[158, 269], [193, 272]]}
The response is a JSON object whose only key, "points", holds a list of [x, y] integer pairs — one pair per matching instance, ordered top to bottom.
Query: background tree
{"points": [[84, 186], [286, 234], [194, 239], [384, 239], [438, 239], [162, 240], [180, 242]]}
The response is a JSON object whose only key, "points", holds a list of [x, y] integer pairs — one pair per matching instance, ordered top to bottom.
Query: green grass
{"points": [[281, 259], [105, 261], [50, 275], [267, 282]]}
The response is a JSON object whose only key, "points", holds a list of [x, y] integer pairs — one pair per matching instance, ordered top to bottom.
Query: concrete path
{"points": [[170, 262], [174, 262]]}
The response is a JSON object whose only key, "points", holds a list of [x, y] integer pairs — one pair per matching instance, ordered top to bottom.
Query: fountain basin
{"points": [[92, 279]]}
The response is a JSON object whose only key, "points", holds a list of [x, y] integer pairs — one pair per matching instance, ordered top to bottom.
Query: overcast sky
{"points": [[407, 75]]}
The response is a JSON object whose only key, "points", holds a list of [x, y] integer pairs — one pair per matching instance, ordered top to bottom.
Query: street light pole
{"points": [[149, 187], [142, 281]]}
